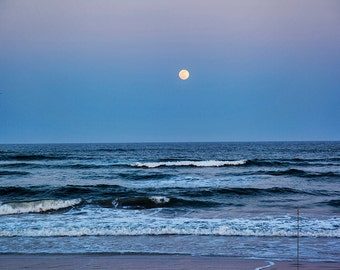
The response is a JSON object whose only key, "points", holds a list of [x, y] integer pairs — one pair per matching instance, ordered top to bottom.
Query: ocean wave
{"points": [[113, 150], [33, 157], [291, 162], [188, 163], [21, 165], [79, 166], [17, 173], [303, 174], [144, 176], [14, 191], [53, 192], [241, 192], [144, 198], [159, 199], [138, 202], [141, 202], [134, 203], [334, 203], [36, 206], [140, 225]]}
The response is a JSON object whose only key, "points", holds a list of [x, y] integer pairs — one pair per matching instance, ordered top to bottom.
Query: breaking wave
{"points": [[188, 163], [152, 202], [140, 203], [36, 206], [141, 225]]}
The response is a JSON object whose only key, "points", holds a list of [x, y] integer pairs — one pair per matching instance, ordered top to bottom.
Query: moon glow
{"points": [[183, 74]]}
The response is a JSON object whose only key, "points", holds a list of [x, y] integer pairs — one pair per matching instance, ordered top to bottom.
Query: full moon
{"points": [[183, 74]]}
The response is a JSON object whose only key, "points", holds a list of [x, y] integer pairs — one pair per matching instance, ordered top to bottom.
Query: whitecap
{"points": [[205, 163], [160, 199], [36, 206]]}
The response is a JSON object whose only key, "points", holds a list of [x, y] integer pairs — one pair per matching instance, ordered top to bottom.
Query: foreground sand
{"points": [[159, 262]]}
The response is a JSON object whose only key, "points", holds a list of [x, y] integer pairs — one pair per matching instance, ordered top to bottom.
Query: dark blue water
{"points": [[233, 199]]}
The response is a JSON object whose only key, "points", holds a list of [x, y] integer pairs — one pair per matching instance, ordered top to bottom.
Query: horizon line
{"points": [[174, 142]]}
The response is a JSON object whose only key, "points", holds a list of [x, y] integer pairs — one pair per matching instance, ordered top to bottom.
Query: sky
{"points": [[107, 71]]}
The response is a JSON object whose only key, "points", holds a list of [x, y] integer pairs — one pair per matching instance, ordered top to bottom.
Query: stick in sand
{"points": [[298, 239]]}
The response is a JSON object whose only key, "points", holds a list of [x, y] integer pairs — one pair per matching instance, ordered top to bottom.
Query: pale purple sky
{"points": [[106, 71]]}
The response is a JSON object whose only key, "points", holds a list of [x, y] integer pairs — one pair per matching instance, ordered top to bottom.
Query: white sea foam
{"points": [[206, 163], [160, 199], [36, 206], [134, 223], [270, 264]]}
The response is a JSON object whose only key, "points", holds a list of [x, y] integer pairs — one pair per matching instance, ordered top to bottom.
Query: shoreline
{"points": [[159, 262]]}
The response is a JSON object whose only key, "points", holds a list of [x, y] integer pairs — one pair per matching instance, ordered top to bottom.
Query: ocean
{"points": [[258, 200]]}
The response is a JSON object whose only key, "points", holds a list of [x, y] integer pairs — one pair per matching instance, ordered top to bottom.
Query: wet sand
{"points": [[150, 262]]}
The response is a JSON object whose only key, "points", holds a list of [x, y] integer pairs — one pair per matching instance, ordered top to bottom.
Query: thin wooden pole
{"points": [[298, 240]]}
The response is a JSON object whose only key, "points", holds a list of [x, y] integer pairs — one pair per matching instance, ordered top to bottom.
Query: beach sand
{"points": [[150, 262]]}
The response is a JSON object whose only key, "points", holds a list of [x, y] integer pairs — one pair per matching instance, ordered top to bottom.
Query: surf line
{"points": [[266, 266]]}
